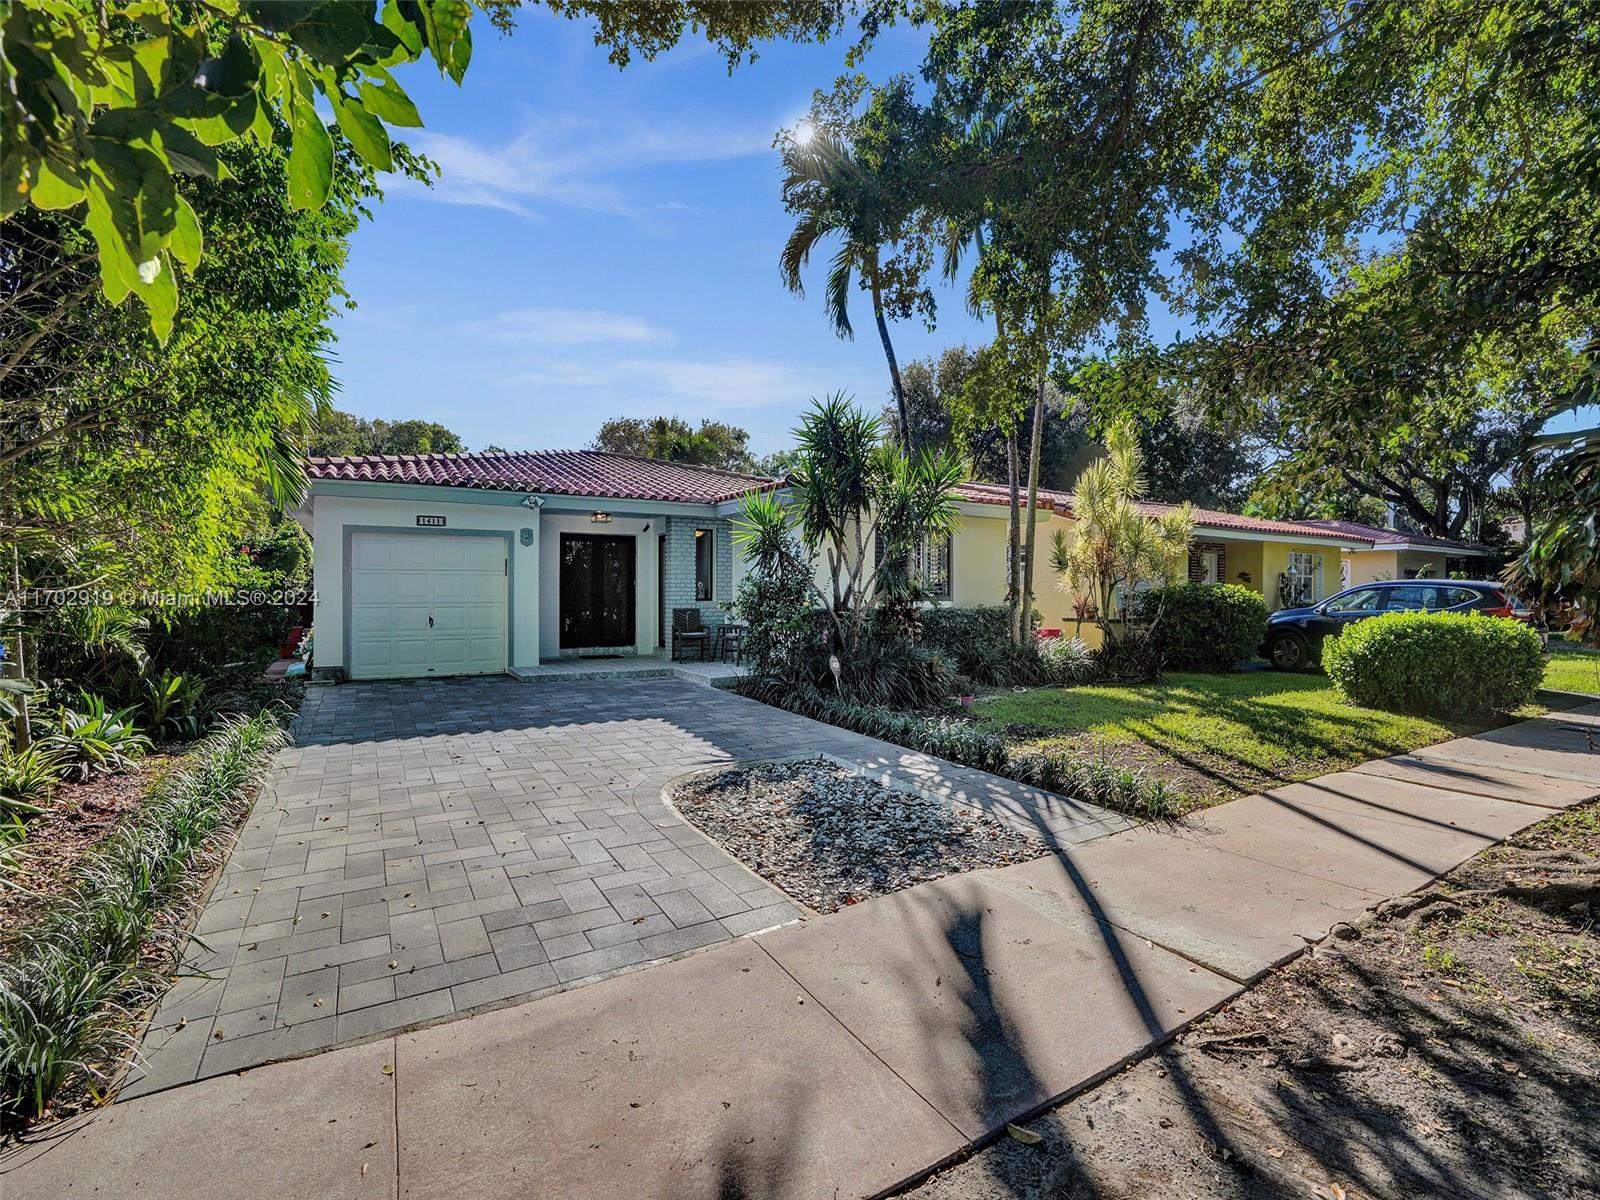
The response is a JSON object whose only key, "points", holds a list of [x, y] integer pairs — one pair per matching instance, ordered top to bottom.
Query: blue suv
{"points": [[1295, 635]]}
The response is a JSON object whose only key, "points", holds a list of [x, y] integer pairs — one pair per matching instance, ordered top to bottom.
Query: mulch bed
{"points": [[76, 816], [830, 837]]}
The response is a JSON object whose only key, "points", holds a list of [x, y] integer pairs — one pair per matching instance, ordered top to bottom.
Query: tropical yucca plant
{"points": [[97, 739], [70, 983]]}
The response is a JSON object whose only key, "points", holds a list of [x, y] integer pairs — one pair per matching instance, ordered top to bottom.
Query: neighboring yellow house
{"points": [[1397, 554], [1290, 564]]}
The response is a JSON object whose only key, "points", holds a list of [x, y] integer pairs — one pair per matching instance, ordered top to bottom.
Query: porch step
{"points": [[569, 670]]}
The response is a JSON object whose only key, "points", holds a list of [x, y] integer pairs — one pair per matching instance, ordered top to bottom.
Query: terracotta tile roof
{"points": [[558, 472], [1061, 502], [1397, 537]]}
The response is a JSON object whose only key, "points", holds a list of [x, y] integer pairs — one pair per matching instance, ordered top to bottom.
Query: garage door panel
{"points": [[370, 552], [412, 553], [487, 555], [403, 579], [373, 586], [415, 587], [485, 588], [449, 618], [484, 619], [450, 656]]}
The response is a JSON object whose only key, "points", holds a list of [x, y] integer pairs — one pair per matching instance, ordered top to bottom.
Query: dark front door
{"points": [[597, 591]]}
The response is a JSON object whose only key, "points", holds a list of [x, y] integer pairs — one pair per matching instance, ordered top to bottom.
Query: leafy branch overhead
{"points": [[105, 104]]}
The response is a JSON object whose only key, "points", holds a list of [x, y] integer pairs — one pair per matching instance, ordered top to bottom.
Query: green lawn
{"points": [[1573, 668], [1214, 736]]}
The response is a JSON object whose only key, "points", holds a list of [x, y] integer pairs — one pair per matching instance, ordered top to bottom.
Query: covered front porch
{"points": [[1286, 572]]}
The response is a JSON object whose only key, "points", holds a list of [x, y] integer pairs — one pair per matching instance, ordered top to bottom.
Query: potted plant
{"points": [[965, 690]]}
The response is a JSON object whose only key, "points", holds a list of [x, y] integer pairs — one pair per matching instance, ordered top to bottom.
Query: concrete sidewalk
{"points": [[849, 1053]]}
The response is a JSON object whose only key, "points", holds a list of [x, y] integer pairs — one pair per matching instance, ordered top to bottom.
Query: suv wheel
{"points": [[1289, 652]]}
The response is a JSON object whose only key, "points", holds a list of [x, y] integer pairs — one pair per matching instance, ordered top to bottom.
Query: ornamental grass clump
{"points": [[71, 984]]}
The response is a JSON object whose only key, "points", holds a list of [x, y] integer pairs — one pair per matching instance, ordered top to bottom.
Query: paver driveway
{"points": [[429, 848]]}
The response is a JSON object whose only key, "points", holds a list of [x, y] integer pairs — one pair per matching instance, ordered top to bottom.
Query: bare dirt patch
{"points": [[76, 816], [830, 837], [1448, 1046]]}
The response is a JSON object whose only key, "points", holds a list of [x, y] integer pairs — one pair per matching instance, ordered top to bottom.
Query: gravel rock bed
{"points": [[829, 837]]}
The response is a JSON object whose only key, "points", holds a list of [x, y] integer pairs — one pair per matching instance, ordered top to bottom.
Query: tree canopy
{"points": [[107, 104], [342, 433], [713, 444], [126, 462]]}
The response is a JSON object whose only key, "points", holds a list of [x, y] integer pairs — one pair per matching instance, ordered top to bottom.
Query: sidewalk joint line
{"points": [[857, 1039], [394, 1081]]}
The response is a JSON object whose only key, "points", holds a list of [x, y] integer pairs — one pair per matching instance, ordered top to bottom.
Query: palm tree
{"points": [[836, 195], [849, 488]]}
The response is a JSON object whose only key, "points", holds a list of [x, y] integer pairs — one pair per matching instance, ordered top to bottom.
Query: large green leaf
{"points": [[335, 31], [385, 99], [365, 131], [311, 153], [58, 186], [186, 237]]}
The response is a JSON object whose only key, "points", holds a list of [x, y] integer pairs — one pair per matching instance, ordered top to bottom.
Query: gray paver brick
{"points": [[463, 939]]}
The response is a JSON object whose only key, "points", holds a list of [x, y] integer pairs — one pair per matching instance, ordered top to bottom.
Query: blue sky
{"points": [[605, 243]]}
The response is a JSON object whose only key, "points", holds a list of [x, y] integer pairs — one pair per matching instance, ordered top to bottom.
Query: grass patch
{"points": [[1573, 668], [1214, 736], [71, 983]]}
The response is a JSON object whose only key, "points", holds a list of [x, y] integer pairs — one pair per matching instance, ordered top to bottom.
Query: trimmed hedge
{"points": [[1206, 626], [1448, 664], [1097, 781]]}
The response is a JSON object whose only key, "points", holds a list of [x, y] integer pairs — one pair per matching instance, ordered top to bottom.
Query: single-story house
{"points": [[1287, 562], [460, 564], [471, 564]]}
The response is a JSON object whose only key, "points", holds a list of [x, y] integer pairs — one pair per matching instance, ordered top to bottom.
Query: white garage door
{"points": [[426, 604]]}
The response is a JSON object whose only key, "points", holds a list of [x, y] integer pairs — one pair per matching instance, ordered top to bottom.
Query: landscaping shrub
{"points": [[1206, 626], [784, 636], [977, 641], [1067, 661], [1451, 664], [888, 668], [96, 739], [957, 741], [26, 777], [70, 984]]}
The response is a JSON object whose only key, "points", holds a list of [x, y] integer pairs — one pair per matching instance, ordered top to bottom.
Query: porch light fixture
{"points": [[600, 518]]}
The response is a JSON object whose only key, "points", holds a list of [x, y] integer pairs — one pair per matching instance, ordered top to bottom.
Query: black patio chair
{"points": [[688, 631]]}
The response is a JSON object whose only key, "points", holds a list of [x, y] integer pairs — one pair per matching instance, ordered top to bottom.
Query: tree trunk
{"points": [[894, 365], [1034, 450], [1013, 541], [22, 730]]}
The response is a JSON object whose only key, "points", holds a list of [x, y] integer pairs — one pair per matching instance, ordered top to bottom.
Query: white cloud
{"points": [[571, 161], [568, 327], [703, 387]]}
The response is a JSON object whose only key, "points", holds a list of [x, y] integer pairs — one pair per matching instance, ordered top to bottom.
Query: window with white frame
{"points": [[930, 564], [1302, 582]]}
